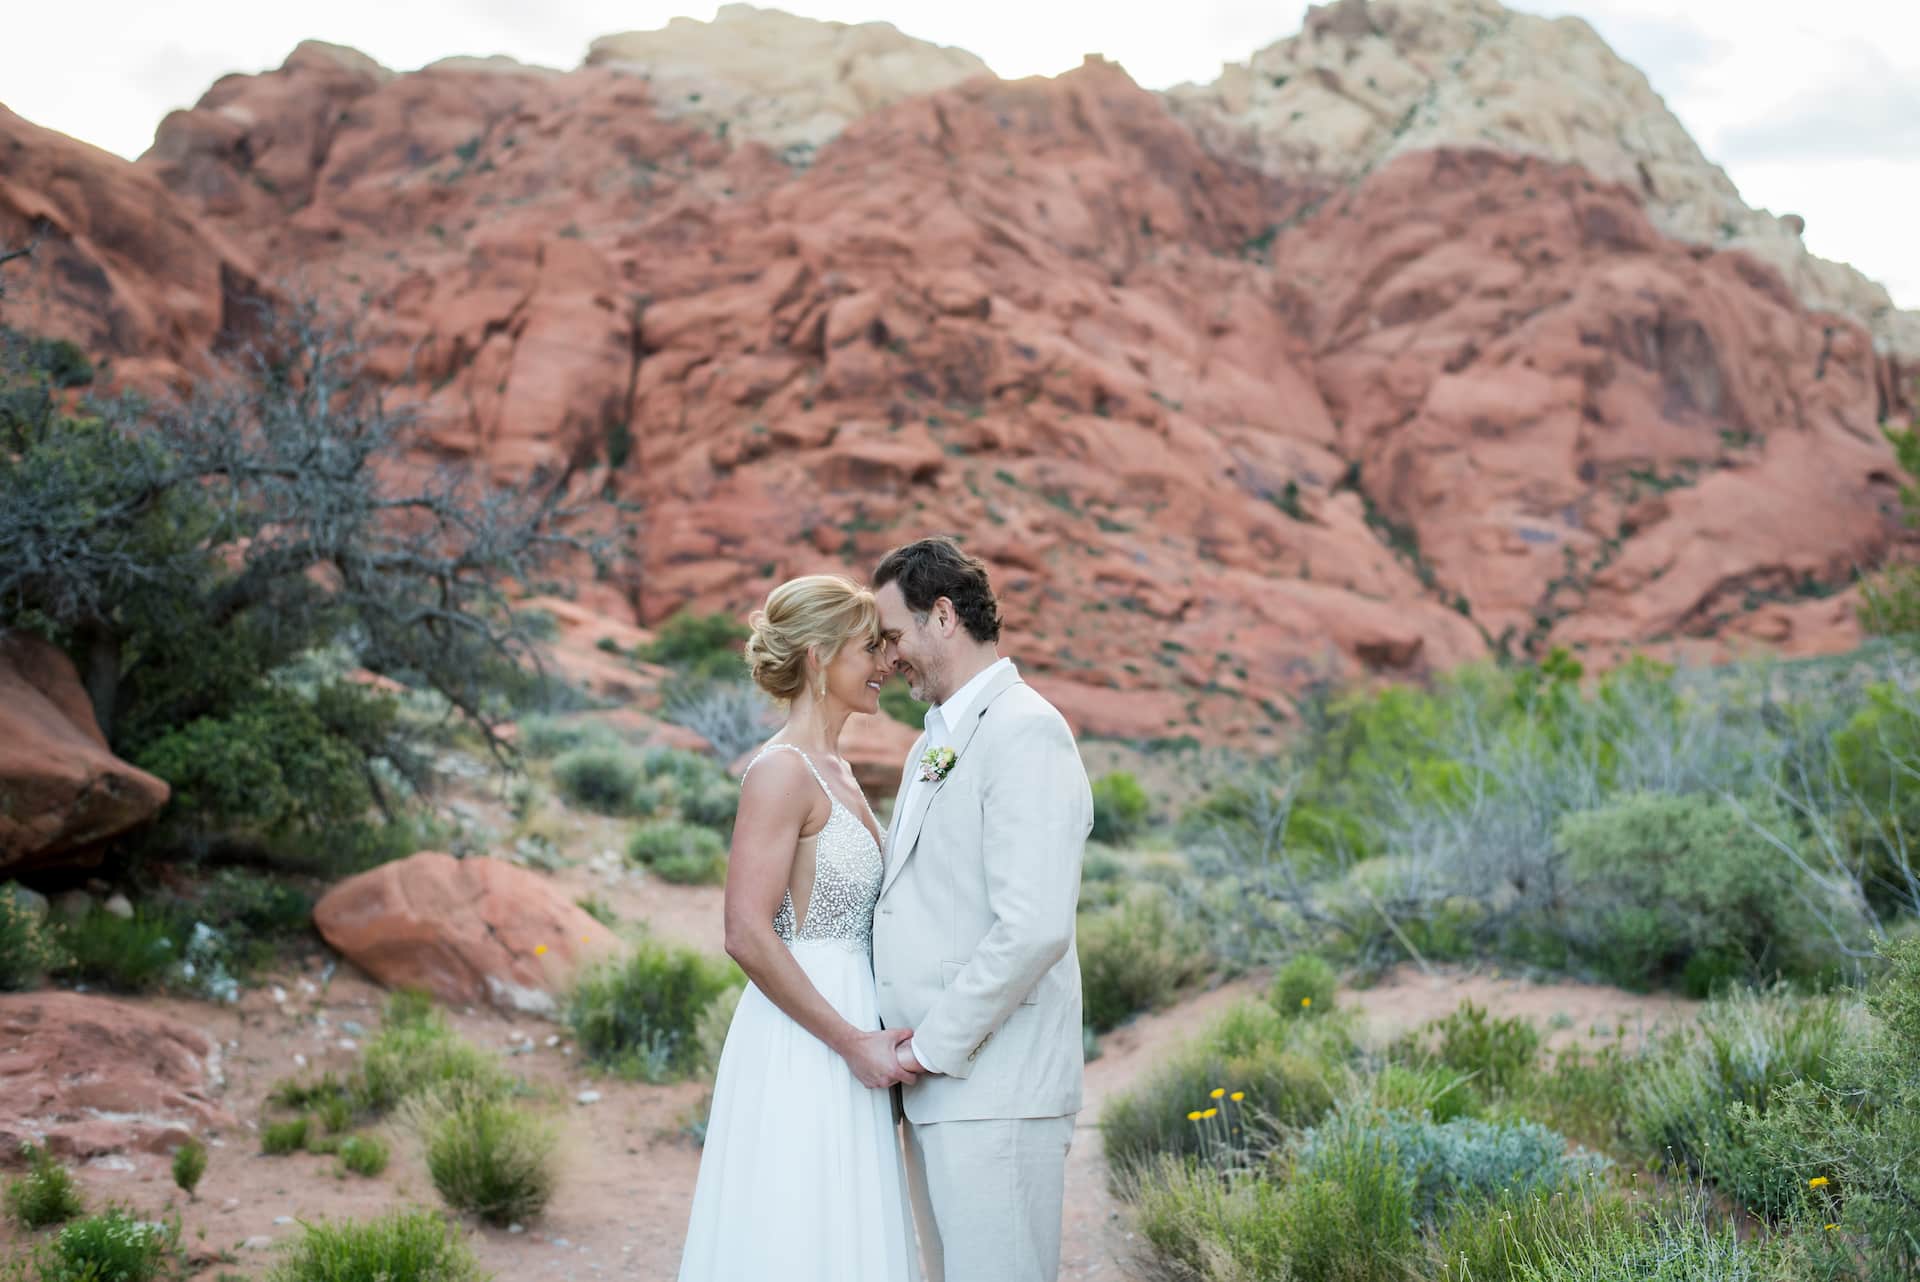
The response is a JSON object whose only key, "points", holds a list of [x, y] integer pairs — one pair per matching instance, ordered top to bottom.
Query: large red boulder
{"points": [[62, 792], [470, 931], [85, 1075]]}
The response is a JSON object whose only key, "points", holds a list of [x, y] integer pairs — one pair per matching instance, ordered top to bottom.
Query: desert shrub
{"points": [[704, 645], [898, 702], [731, 713], [544, 736], [603, 780], [1875, 801], [713, 803], [1120, 808], [679, 852], [1684, 888], [259, 905], [596, 907], [28, 946], [126, 954], [1134, 957], [1303, 986], [637, 1017], [710, 1030], [1744, 1050], [1499, 1052], [415, 1054], [1285, 1070], [1434, 1090], [291, 1093], [1583, 1094], [1859, 1132], [287, 1136], [486, 1154], [363, 1155], [1461, 1161], [189, 1164], [46, 1194], [1350, 1204], [1203, 1227], [1520, 1231], [112, 1246], [401, 1246], [1652, 1247]]}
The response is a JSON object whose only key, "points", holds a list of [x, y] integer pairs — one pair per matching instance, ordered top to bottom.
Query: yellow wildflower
{"points": [[540, 950], [1305, 1002], [1217, 1092], [1237, 1096], [1212, 1112], [1194, 1116], [1817, 1182], [1832, 1227]]}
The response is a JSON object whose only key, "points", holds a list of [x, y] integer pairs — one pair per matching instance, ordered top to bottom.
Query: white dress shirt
{"points": [[940, 720]]}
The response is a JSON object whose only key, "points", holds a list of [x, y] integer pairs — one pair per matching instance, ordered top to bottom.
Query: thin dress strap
{"points": [[775, 747]]}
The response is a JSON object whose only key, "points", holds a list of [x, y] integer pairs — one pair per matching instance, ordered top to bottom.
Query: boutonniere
{"points": [[935, 762]]}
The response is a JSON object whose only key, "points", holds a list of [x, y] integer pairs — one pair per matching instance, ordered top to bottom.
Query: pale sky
{"points": [[1811, 108]]}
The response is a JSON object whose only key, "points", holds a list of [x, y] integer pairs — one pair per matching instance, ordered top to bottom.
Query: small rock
{"points": [[120, 906], [279, 995], [353, 1028], [553, 1039], [347, 1044], [299, 1059], [587, 1097], [230, 1204], [283, 1219], [516, 1228], [560, 1241], [260, 1243]]}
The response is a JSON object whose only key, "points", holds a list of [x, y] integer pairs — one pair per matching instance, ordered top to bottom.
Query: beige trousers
{"points": [[987, 1197]]}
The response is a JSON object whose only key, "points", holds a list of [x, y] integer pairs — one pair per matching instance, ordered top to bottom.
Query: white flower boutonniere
{"points": [[935, 762]]}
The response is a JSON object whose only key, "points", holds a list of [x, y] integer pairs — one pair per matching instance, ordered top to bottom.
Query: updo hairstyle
{"points": [[822, 610]]}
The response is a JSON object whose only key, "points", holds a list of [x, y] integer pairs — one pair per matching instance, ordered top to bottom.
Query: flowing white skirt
{"points": [[801, 1178]]}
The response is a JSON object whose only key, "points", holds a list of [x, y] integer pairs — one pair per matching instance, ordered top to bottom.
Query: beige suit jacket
{"points": [[973, 932]]}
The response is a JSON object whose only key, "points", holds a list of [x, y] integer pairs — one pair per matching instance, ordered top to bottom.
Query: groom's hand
{"points": [[903, 1053], [874, 1060]]}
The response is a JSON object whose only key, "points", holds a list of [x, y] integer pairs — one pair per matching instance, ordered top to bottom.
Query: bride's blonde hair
{"points": [[823, 610]]}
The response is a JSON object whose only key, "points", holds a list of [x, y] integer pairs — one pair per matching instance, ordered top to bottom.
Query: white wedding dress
{"points": [[801, 1178]]}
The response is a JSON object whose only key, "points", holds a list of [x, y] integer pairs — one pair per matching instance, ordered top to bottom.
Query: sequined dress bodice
{"points": [[847, 870]]}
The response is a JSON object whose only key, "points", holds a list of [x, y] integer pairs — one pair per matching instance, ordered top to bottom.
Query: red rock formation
{"points": [[1222, 436], [62, 793], [470, 931], [86, 1075]]}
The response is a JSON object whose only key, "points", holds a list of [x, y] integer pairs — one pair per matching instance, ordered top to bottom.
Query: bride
{"points": [[801, 1178]]}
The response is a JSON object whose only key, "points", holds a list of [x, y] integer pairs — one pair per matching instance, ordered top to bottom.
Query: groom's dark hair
{"points": [[928, 569]]}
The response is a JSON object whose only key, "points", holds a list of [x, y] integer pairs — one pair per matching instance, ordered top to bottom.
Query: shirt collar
{"points": [[950, 712]]}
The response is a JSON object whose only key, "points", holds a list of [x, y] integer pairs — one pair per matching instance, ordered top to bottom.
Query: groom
{"points": [[973, 931]]}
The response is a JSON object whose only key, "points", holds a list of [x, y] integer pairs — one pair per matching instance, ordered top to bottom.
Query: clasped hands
{"points": [[881, 1059]]}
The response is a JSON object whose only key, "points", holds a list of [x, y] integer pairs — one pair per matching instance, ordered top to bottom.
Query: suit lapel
{"points": [[906, 835]]}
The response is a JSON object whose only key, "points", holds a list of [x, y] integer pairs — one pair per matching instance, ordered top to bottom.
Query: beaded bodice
{"points": [[847, 870]]}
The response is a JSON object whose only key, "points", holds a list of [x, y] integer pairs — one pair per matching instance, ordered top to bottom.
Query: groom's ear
{"points": [[945, 616]]}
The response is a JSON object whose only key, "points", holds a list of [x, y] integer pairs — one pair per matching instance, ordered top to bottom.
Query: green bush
{"points": [[702, 645], [898, 702], [544, 736], [604, 780], [713, 803], [1120, 808], [679, 852], [1685, 889], [257, 904], [594, 906], [28, 947], [134, 954], [1135, 957], [1305, 985], [637, 1017], [1745, 1049], [1499, 1052], [415, 1053], [1285, 1070], [1434, 1090], [1583, 1095], [1858, 1130], [290, 1136], [485, 1154], [363, 1155], [1466, 1160], [189, 1164], [46, 1194], [1353, 1203], [1209, 1229], [1517, 1232], [402, 1246], [109, 1247], [1652, 1248]]}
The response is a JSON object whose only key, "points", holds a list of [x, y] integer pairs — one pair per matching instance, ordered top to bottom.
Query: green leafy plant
{"points": [[702, 645], [604, 780], [1120, 808], [679, 852], [28, 948], [1135, 957], [1305, 985], [637, 1017], [283, 1137], [486, 1154], [363, 1155], [189, 1164], [46, 1194], [111, 1245], [402, 1246]]}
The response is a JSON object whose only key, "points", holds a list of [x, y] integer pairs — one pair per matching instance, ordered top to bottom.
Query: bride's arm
{"points": [[775, 802]]}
